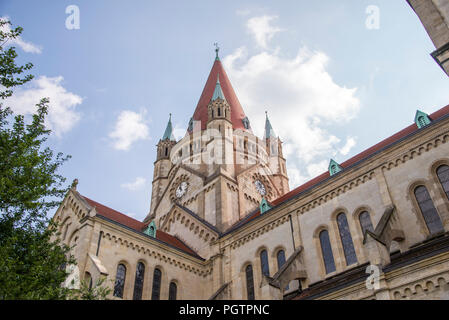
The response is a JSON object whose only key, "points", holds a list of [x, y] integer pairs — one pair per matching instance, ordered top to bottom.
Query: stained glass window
{"points": [[443, 175], [428, 210], [365, 222], [346, 239], [326, 249], [264, 263], [250, 282], [138, 283], [119, 285], [172, 290], [156, 292]]}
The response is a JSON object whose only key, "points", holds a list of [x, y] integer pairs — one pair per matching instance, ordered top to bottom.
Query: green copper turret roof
{"points": [[218, 93], [269, 132], [168, 134]]}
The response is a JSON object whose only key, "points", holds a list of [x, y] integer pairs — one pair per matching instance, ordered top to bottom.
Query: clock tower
{"points": [[219, 172]]}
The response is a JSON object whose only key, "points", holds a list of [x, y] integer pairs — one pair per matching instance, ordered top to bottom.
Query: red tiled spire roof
{"points": [[237, 114], [359, 157], [136, 225]]}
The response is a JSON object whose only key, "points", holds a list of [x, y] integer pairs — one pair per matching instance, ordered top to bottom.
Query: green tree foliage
{"points": [[9, 71], [32, 265], [90, 291]]}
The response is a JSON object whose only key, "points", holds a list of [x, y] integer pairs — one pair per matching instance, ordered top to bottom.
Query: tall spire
{"points": [[218, 93], [201, 111], [269, 132], [168, 134]]}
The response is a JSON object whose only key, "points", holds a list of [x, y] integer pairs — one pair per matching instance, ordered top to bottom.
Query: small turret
{"points": [[218, 107], [166, 143], [277, 162], [163, 164]]}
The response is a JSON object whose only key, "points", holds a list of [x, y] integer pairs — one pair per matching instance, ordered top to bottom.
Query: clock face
{"points": [[260, 187], [181, 190]]}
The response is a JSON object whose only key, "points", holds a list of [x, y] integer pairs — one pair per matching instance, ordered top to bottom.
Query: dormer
{"points": [[422, 119], [334, 167]]}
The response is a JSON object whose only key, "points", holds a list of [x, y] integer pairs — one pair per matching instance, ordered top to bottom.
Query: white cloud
{"points": [[262, 30], [24, 45], [301, 98], [62, 115], [129, 128], [350, 143], [315, 169], [295, 176], [138, 184]]}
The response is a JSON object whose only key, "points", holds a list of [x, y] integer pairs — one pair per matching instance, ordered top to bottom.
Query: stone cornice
{"points": [[150, 246]]}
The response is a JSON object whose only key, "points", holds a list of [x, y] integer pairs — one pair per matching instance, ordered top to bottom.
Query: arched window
{"points": [[219, 112], [166, 151], [443, 176], [428, 210], [365, 222], [346, 239], [326, 250], [281, 261], [264, 263], [250, 282], [138, 283], [119, 285], [172, 290], [156, 292]]}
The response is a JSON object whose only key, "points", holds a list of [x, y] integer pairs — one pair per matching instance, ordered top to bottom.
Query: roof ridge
{"points": [[360, 157]]}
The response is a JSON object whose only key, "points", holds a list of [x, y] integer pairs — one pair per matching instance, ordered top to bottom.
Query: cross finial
{"points": [[217, 48]]}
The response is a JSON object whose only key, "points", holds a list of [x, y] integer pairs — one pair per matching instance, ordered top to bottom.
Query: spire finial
{"points": [[217, 48], [169, 119], [74, 184]]}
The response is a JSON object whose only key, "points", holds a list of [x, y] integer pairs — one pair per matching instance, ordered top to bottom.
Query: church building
{"points": [[223, 223]]}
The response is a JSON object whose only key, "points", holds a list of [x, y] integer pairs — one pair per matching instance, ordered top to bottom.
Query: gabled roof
{"points": [[201, 114], [362, 156], [138, 226]]}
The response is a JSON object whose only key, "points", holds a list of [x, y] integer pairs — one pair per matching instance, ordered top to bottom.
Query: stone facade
{"points": [[434, 15], [208, 235]]}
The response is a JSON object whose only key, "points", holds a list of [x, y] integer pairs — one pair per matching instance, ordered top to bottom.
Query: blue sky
{"points": [[332, 86]]}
